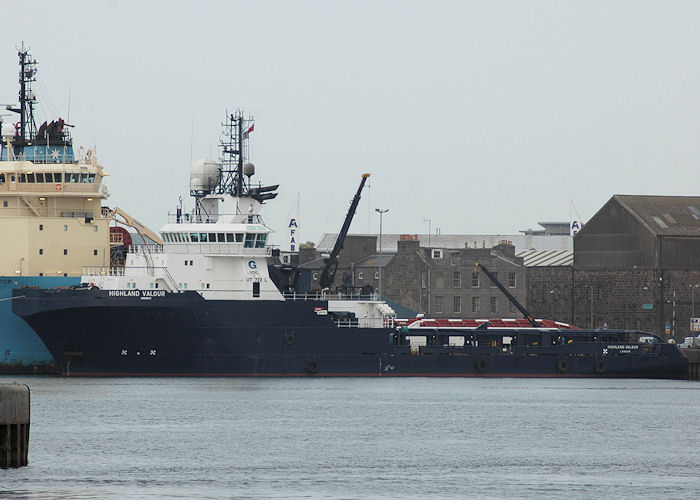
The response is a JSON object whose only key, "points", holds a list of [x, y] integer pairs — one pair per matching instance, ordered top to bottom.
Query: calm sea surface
{"points": [[359, 438]]}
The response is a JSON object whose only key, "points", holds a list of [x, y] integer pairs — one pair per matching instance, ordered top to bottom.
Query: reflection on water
{"points": [[358, 438]]}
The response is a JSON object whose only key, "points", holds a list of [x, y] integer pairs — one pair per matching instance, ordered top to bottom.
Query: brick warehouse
{"points": [[636, 265]]}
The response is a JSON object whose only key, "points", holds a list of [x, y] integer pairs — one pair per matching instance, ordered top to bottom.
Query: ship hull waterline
{"points": [[90, 333]]}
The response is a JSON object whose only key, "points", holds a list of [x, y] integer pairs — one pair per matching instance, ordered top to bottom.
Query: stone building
{"points": [[636, 265], [357, 266], [444, 282]]}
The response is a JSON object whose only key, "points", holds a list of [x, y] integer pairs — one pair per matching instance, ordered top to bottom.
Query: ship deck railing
{"points": [[212, 218], [319, 295], [384, 322]]}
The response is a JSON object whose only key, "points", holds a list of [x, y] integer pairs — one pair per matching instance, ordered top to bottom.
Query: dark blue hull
{"points": [[90, 332]]}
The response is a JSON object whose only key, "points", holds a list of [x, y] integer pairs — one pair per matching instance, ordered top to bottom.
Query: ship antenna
{"points": [[27, 71], [236, 130]]}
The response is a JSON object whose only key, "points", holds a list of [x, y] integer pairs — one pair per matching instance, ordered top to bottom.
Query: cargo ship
{"points": [[51, 217], [206, 303]]}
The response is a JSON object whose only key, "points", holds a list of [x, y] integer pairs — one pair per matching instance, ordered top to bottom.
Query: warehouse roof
{"points": [[664, 215], [547, 258]]}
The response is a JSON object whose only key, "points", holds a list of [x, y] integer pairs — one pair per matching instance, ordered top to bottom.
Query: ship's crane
{"points": [[128, 220], [328, 271], [510, 297]]}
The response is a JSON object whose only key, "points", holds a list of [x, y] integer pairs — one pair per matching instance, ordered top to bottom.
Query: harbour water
{"points": [[359, 438]]}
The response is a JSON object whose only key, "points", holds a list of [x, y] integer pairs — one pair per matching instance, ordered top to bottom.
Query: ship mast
{"points": [[27, 75], [234, 146]]}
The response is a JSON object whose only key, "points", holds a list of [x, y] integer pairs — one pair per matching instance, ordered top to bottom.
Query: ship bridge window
{"points": [[57, 176], [40, 177], [48, 177], [22, 178], [30, 178], [83, 178], [91, 178], [194, 237], [202, 237], [212, 237], [229, 237], [239, 237], [221, 238], [249, 240], [260, 240]]}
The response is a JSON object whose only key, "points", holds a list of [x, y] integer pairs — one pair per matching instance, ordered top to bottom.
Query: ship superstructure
{"points": [[50, 198]]}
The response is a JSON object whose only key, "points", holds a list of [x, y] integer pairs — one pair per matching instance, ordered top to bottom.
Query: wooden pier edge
{"points": [[14, 425]]}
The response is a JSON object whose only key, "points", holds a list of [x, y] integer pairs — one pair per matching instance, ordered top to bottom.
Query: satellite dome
{"points": [[8, 130], [249, 169], [205, 175]]}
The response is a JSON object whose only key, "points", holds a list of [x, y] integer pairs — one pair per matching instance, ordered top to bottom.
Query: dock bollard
{"points": [[14, 425]]}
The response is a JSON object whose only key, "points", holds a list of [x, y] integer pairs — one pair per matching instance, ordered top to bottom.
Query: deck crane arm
{"points": [[128, 220], [328, 271], [510, 297]]}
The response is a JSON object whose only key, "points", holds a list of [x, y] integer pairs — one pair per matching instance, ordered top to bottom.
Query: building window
{"points": [[4, 203], [41, 227], [65, 227], [94, 229], [41, 251], [65, 251], [94, 252], [437, 253], [185, 262], [190, 263], [65, 274], [359, 275], [376, 275], [315, 276], [495, 278], [422, 279], [457, 279], [475, 279], [511, 280], [438, 303], [458, 304], [476, 304], [494, 304]]}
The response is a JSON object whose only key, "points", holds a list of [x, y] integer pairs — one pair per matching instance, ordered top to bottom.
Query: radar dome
{"points": [[8, 130], [249, 169], [205, 175]]}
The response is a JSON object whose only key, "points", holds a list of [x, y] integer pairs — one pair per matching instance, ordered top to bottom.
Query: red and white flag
{"points": [[247, 132]]}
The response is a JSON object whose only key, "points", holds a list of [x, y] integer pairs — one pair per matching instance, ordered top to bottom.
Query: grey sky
{"points": [[485, 117]]}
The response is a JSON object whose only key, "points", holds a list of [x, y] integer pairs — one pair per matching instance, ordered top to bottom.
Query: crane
{"points": [[130, 221], [328, 271], [510, 297]]}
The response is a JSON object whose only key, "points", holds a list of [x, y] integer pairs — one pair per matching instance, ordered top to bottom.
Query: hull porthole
{"points": [[481, 365], [562, 365], [311, 366], [599, 366]]}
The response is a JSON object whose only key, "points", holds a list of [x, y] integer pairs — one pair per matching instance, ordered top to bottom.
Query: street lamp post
{"points": [[381, 213], [692, 313]]}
